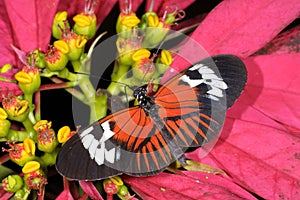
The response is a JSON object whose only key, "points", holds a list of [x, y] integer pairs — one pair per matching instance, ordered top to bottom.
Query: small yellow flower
{"points": [[61, 16], [82, 20], [130, 20], [153, 21], [59, 24], [85, 24], [62, 46], [141, 54], [166, 57], [23, 77], [29, 79], [16, 109], [42, 124], [64, 133], [46, 138], [29, 146], [18, 154], [30, 167], [34, 177], [117, 180]]}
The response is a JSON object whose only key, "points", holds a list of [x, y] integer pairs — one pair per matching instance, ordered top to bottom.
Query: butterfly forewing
{"points": [[187, 111]]}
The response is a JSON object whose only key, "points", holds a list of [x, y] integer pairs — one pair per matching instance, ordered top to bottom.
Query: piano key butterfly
{"points": [[186, 111]]}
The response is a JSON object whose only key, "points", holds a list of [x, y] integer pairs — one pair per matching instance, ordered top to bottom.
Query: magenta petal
{"points": [[31, 22], [239, 27], [6, 35], [286, 42], [272, 89], [262, 159], [193, 185], [89, 188], [65, 195]]}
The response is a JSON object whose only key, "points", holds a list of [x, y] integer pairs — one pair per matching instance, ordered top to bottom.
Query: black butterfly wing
{"points": [[193, 103], [124, 142]]}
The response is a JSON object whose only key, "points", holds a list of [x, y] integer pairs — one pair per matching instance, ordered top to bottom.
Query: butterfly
{"points": [[186, 111]]}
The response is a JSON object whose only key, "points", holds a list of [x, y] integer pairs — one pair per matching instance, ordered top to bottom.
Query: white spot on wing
{"points": [[210, 78], [191, 82], [86, 131], [107, 132], [87, 140], [93, 148], [99, 155], [110, 155]]}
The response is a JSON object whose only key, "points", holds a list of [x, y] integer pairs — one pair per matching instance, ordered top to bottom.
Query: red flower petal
{"points": [[31, 22], [239, 28], [286, 42], [272, 89], [192, 185], [89, 188]]}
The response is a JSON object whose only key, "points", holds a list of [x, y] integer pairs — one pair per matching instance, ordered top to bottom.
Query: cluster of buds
{"points": [[136, 38]]}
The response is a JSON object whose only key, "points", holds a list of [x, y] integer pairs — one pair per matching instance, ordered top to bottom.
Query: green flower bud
{"points": [[149, 19], [60, 23], [125, 23], [85, 24], [155, 35], [76, 46], [126, 48], [56, 58], [40, 60], [163, 62], [143, 67], [29, 79], [16, 109], [4, 127], [46, 138], [21, 153], [34, 177], [12, 183], [21, 194]]}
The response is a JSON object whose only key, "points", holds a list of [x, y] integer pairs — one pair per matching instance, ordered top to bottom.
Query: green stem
{"points": [[76, 65], [119, 73], [72, 91], [89, 93], [28, 98], [29, 128], [17, 136]]}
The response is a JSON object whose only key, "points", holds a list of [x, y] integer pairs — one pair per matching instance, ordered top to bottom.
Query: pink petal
{"points": [[31, 22], [238, 27], [6, 35], [286, 42], [272, 89], [262, 159], [192, 185], [89, 188], [65, 195]]}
